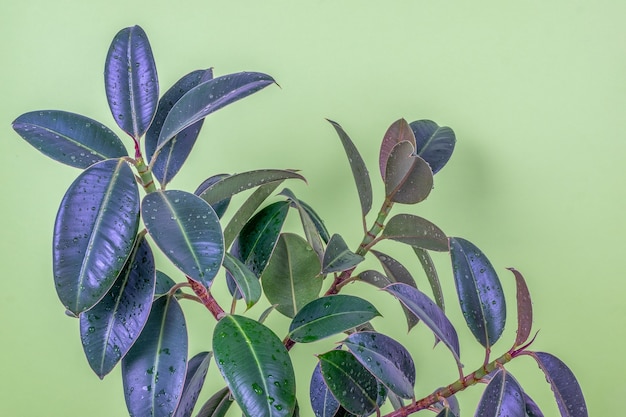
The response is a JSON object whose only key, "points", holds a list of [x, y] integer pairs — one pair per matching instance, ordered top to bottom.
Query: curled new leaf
{"points": [[130, 80], [69, 138], [434, 143], [408, 178], [415, 231], [524, 309], [197, 368], [502, 397]]}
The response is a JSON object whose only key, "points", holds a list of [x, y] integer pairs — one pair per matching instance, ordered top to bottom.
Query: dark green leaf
{"points": [[130, 80], [208, 97], [399, 131], [69, 138], [435, 143], [173, 154], [359, 170], [409, 178], [220, 206], [319, 224], [311, 228], [187, 230], [415, 231], [94, 233], [338, 257], [431, 273], [292, 276], [247, 283], [163, 284], [479, 290], [524, 309], [330, 315], [109, 329], [386, 359], [256, 366], [197, 368], [153, 371], [351, 384], [502, 397], [323, 401], [217, 405]]}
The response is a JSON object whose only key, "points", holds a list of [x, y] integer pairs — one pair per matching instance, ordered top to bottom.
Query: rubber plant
{"points": [[130, 313]]}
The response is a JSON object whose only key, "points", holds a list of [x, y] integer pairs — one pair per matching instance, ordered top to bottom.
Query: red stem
{"points": [[207, 299]]}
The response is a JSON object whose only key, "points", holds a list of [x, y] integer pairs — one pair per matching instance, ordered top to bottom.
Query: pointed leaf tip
{"points": [[434, 143], [524, 309]]}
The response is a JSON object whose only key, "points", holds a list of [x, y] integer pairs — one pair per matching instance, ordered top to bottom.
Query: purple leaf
{"points": [[131, 82], [398, 132], [434, 143], [409, 178], [219, 206], [415, 231], [431, 273], [524, 309], [197, 368], [502, 397], [322, 399], [532, 409]]}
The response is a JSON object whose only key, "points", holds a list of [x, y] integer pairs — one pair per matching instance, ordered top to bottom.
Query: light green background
{"points": [[535, 91]]}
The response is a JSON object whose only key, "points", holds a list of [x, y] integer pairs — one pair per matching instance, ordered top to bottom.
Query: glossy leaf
{"points": [[131, 82], [208, 97], [399, 131], [69, 138], [435, 143], [175, 152], [359, 169], [409, 178], [220, 206], [319, 224], [309, 225], [187, 230], [415, 231], [94, 233], [338, 257], [431, 273], [292, 277], [247, 283], [163, 284], [479, 290], [524, 309], [430, 314], [329, 315], [109, 329], [386, 359], [256, 366], [197, 368], [153, 371], [350, 382], [502, 397], [569, 397], [323, 401], [217, 405], [532, 409]]}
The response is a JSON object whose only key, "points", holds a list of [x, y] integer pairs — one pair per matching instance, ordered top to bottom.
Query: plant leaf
{"points": [[131, 82], [207, 97], [399, 131], [69, 138], [435, 143], [176, 151], [359, 170], [409, 178], [220, 206], [319, 224], [311, 227], [415, 231], [188, 232], [94, 233], [338, 257], [431, 273], [292, 276], [247, 283], [163, 284], [479, 290], [524, 309], [427, 311], [330, 315], [109, 329], [386, 359], [256, 366], [197, 368], [153, 371], [351, 383], [502, 397], [569, 397], [323, 401], [217, 405], [532, 410], [446, 412]]}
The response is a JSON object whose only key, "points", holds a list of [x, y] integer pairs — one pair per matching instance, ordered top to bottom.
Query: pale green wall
{"points": [[535, 90]]}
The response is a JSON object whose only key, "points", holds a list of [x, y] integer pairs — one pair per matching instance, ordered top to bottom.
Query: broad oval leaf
{"points": [[131, 82], [208, 97], [399, 131], [69, 138], [435, 143], [175, 153], [359, 169], [409, 178], [220, 206], [187, 230], [415, 231], [94, 233], [338, 257], [292, 276], [247, 283], [479, 291], [524, 309], [430, 314], [329, 315], [109, 329], [386, 359], [256, 366], [197, 368], [153, 371], [350, 382], [567, 392], [502, 397], [323, 401], [217, 405]]}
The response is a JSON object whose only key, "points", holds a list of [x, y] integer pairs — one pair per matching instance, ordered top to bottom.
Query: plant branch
{"points": [[145, 175], [376, 228], [207, 299]]}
